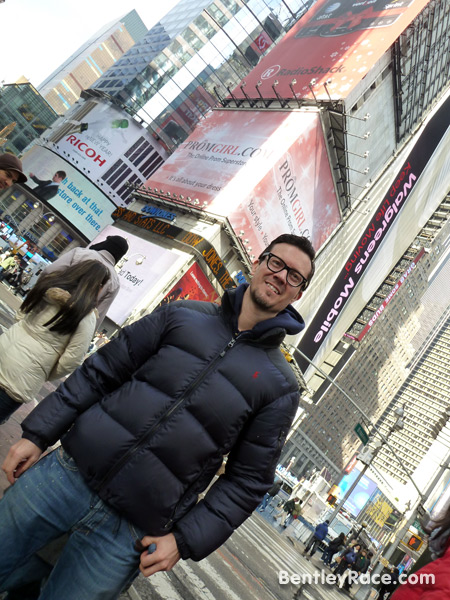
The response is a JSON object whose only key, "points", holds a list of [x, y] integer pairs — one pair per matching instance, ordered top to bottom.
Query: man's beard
{"points": [[259, 300]]}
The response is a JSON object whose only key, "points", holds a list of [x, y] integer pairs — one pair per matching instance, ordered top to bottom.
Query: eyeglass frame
{"points": [[303, 285]]}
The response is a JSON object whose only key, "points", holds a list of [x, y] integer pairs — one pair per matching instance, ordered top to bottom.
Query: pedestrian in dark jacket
{"points": [[144, 425], [273, 491], [320, 533], [333, 547], [348, 558], [360, 565], [388, 587]]}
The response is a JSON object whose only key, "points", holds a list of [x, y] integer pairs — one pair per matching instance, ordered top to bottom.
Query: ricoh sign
{"points": [[385, 216]]}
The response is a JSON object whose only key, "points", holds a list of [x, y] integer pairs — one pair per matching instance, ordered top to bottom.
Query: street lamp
{"points": [[367, 419], [367, 456], [358, 533]]}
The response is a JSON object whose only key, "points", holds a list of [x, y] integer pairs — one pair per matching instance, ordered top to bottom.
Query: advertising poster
{"points": [[336, 41], [112, 150], [267, 172], [397, 194], [75, 198], [145, 265], [194, 285], [360, 495], [379, 510]]}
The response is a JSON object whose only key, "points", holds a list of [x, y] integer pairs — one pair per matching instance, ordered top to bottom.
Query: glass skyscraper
{"points": [[198, 52], [21, 103]]}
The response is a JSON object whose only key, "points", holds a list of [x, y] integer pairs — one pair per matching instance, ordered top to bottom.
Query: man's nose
{"points": [[282, 275]]}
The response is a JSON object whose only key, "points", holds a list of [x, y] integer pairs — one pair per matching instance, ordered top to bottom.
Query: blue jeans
{"points": [[7, 406], [265, 502], [99, 559]]}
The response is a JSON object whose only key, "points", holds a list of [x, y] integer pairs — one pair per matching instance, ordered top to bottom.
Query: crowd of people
{"points": [[345, 556]]}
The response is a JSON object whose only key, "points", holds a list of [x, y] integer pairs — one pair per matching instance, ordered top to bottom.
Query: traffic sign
{"points": [[361, 433]]}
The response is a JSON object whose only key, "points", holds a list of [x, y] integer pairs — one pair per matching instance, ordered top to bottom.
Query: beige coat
{"points": [[31, 354]]}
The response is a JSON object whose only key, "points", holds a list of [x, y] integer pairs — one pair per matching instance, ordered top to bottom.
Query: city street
{"points": [[245, 568]]}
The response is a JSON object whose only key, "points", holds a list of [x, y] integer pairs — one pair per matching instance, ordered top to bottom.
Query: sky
{"points": [[38, 35]]}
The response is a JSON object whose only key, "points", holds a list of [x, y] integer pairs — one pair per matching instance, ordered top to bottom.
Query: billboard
{"points": [[335, 41], [113, 150], [268, 172], [396, 195], [75, 198], [202, 246], [146, 264], [194, 285], [359, 497], [380, 510]]}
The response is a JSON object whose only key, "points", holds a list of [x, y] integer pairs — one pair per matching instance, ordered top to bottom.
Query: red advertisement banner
{"points": [[335, 42], [268, 172], [194, 285]]}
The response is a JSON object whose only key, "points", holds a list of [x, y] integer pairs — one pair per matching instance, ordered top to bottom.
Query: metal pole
{"points": [[366, 417], [347, 494]]}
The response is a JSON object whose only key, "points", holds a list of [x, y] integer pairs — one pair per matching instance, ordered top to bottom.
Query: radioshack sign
{"points": [[336, 43]]}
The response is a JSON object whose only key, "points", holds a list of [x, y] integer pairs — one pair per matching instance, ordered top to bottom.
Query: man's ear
{"points": [[255, 265], [298, 296]]}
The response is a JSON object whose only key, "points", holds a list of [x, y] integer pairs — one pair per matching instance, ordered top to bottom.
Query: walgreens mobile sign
{"points": [[397, 194]]}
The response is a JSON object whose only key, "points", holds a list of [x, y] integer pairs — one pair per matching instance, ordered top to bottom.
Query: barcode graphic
{"points": [[141, 155]]}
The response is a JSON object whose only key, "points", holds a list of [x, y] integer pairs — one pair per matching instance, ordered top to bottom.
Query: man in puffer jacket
{"points": [[144, 425]]}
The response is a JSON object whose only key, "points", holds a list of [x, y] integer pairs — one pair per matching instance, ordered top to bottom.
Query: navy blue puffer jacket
{"points": [[149, 417]]}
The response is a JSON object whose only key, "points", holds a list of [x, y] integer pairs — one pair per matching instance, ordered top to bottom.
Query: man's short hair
{"points": [[61, 174], [299, 241]]}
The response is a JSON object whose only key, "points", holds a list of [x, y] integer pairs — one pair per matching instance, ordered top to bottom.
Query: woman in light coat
{"points": [[57, 322]]}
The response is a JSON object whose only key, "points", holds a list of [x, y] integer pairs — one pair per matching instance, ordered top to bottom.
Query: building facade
{"points": [[195, 54], [81, 70], [21, 103], [393, 355]]}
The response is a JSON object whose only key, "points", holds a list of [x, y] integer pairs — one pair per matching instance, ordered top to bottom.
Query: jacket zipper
{"points": [[140, 442]]}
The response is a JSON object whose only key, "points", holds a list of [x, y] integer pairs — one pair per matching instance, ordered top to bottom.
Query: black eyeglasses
{"points": [[293, 277]]}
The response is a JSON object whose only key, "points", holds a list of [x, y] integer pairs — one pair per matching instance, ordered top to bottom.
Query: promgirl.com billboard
{"points": [[268, 172]]}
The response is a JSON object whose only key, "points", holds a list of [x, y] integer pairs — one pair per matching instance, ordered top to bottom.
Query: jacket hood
{"points": [[57, 296], [288, 319]]}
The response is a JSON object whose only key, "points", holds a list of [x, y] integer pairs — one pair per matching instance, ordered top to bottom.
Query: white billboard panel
{"points": [[111, 151], [268, 172], [75, 198], [147, 264]]}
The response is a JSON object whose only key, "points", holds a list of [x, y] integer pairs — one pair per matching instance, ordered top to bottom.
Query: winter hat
{"points": [[12, 163], [114, 244]]}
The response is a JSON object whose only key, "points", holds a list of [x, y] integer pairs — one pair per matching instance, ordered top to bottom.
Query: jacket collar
{"points": [[288, 321]]}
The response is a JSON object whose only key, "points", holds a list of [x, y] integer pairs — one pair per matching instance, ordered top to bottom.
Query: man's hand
{"points": [[20, 457], [163, 558]]}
